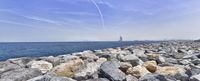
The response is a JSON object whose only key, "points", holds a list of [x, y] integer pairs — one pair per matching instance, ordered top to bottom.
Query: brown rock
{"points": [[150, 66], [67, 69], [170, 70], [137, 71]]}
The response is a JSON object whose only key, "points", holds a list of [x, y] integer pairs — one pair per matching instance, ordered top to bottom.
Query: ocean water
{"points": [[37, 49]]}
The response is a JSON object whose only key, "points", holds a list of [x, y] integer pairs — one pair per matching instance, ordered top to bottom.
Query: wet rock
{"points": [[43, 66], [68, 69], [111, 71], [137, 71], [22, 74]]}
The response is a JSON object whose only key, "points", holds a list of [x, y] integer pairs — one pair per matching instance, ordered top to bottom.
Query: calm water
{"points": [[36, 49]]}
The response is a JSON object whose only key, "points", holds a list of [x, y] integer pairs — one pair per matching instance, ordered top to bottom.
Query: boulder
{"points": [[139, 53], [87, 55], [152, 56], [192, 56], [132, 59], [53, 60], [160, 60], [20, 61], [7, 66], [43, 66], [124, 66], [151, 66], [68, 69], [87, 70], [170, 70], [111, 71], [137, 71], [22, 74], [154, 77], [50, 78], [131, 78], [195, 78], [98, 79]]}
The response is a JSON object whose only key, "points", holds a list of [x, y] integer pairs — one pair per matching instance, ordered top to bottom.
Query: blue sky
{"points": [[80, 20]]}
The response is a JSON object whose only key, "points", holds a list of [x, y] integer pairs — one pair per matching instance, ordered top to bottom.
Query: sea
{"points": [[37, 49]]}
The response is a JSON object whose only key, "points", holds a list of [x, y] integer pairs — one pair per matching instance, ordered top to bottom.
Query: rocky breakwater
{"points": [[164, 61]]}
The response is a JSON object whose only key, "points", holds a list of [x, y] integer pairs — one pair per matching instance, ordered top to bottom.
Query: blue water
{"points": [[36, 49]]}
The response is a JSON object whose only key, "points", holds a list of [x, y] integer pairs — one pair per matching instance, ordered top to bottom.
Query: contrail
{"points": [[100, 13]]}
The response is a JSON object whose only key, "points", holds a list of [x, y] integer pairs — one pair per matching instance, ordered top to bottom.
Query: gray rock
{"points": [[181, 51], [139, 53], [87, 55], [192, 56], [132, 59], [54, 60], [20, 61], [196, 61], [7, 66], [43, 66], [110, 70], [22, 74], [154, 77], [50, 78], [131, 78], [195, 78], [98, 79]]}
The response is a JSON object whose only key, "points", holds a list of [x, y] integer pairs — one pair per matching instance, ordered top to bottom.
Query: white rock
{"points": [[43, 66]]}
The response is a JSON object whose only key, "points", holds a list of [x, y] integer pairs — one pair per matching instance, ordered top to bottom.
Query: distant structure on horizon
{"points": [[120, 39]]}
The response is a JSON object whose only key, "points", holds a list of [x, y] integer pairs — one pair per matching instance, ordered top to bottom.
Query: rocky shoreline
{"points": [[164, 61]]}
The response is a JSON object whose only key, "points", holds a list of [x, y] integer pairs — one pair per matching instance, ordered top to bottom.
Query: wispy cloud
{"points": [[76, 13], [43, 20], [15, 23]]}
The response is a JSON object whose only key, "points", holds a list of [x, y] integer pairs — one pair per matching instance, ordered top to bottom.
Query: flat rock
{"points": [[132, 59], [110, 70], [22, 74], [154, 77], [50, 78], [195, 78]]}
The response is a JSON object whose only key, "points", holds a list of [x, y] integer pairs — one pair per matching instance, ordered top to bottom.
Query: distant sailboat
{"points": [[120, 39]]}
